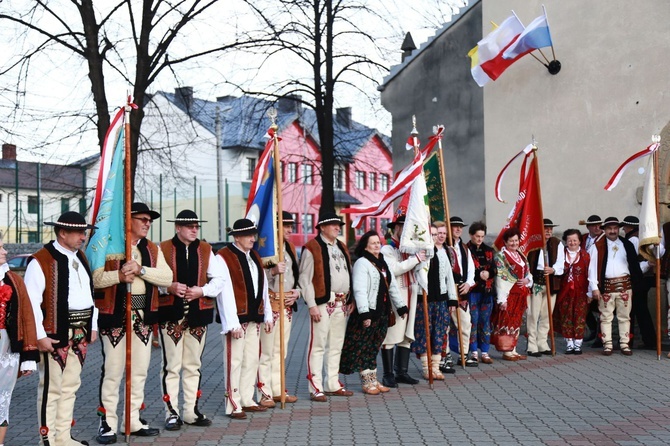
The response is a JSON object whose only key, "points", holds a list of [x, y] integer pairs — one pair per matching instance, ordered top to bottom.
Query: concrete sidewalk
{"points": [[565, 400]]}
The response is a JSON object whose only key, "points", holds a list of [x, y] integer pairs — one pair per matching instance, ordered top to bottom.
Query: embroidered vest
{"points": [[534, 258], [192, 273], [321, 278], [111, 301], [55, 305], [250, 307], [20, 320]]}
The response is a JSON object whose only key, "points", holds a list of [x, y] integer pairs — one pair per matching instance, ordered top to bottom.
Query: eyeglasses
{"points": [[144, 220], [196, 227]]}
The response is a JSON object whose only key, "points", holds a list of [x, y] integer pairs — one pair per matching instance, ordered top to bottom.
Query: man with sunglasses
{"points": [[147, 271], [185, 310]]}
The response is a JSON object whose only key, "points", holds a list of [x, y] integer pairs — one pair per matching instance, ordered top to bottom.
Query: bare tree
{"points": [[152, 34]]}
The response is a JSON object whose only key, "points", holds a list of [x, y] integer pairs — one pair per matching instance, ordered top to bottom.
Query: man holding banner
{"points": [[146, 272]]}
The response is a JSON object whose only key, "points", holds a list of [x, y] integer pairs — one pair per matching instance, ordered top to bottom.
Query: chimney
{"points": [[407, 47], [184, 95], [289, 103], [343, 116], [8, 152]]}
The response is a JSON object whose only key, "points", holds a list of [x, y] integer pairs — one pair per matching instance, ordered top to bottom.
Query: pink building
{"points": [[362, 174]]}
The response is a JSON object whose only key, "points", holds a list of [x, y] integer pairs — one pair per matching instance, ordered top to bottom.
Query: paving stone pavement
{"points": [[565, 400]]}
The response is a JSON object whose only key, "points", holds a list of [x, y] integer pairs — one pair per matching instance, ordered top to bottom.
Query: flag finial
{"points": [[272, 114], [414, 130], [656, 139], [533, 142]]}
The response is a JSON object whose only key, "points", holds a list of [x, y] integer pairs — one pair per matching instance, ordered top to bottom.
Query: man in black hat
{"points": [[589, 238], [614, 262], [463, 269], [145, 272], [58, 281], [325, 281], [640, 311], [184, 312], [538, 314], [241, 327], [401, 334], [269, 377]]}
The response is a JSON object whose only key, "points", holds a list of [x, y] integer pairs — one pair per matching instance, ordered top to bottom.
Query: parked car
{"points": [[19, 261]]}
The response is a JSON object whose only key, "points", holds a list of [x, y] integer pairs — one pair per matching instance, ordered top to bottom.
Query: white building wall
{"points": [[609, 98]]}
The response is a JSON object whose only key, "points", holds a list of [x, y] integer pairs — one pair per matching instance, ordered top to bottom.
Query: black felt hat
{"points": [[141, 208], [186, 217], [287, 218], [329, 218], [71, 220], [593, 220], [398, 221], [456, 221], [610, 221], [630, 221], [549, 224], [243, 226]]}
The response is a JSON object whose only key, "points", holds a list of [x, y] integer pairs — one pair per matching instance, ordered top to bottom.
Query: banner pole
{"points": [[657, 138], [128, 303]]}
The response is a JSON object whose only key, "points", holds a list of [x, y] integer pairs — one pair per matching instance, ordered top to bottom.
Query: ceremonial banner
{"points": [[108, 150], [612, 183], [435, 188], [261, 204], [526, 214], [649, 228], [108, 241]]}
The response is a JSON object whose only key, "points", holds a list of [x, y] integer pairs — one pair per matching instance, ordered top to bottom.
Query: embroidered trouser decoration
{"points": [[78, 345]]}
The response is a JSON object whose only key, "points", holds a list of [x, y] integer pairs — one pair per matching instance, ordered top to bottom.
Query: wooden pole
{"points": [[657, 138], [443, 174], [280, 250], [547, 288], [426, 322], [129, 323]]}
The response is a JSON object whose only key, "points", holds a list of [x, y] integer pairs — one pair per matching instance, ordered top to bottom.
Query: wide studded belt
{"points": [[617, 284], [138, 301], [79, 318]]}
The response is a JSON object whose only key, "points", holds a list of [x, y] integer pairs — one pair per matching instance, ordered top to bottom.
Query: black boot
{"points": [[387, 361], [401, 365]]}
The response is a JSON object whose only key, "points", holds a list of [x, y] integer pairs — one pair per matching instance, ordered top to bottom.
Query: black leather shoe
{"points": [[598, 343], [577, 351], [546, 352], [534, 354], [201, 422], [173, 423], [146, 432], [106, 439]]}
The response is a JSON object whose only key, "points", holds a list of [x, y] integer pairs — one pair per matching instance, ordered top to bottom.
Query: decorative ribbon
{"points": [[527, 150], [611, 184]]}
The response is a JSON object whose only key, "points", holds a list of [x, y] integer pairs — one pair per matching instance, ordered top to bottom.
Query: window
{"points": [[251, 167], [281, 171], [292, 172], [306, 173], [338, 178], [360, 179], [372, 181], [383, 182], [0, 198], [32, 204], [64, 205], [82, 206], [294, 216], [307, 223], [383, 223], [373, 224], [361, 230], [32, 237]]}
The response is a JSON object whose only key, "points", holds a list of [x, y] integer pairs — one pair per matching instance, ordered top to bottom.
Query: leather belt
{"points": [[617, 284], [79, 318]]}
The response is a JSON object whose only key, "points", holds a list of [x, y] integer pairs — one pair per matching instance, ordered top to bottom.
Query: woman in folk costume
{"points": [[513, 284], [374, 290], [441, 295], [572, 301], [18, 338]]}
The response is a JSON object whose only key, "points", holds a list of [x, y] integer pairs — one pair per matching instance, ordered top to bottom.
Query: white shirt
{"points": [[617, 262], [559, 265], [470, 280], [79, 295]]}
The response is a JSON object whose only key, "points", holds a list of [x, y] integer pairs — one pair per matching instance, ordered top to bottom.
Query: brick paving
{"points": [[565, 400]]}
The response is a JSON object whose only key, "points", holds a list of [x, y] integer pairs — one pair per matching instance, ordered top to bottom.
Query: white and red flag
{"points": [[651, 148]]}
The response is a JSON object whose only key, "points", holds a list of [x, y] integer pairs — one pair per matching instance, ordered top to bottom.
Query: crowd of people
{"points": [[476, 297]]}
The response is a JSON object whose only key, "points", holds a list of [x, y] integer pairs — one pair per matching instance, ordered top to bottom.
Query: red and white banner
{"points": [[108, 145], [501, 175], [611, 184], [526, 213]]}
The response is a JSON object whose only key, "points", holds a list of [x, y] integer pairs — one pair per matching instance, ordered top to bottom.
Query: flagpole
{"points": [[272, 113], [657, 139], [443, 174], [547, 286], [426, 322], [129, 323]]}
